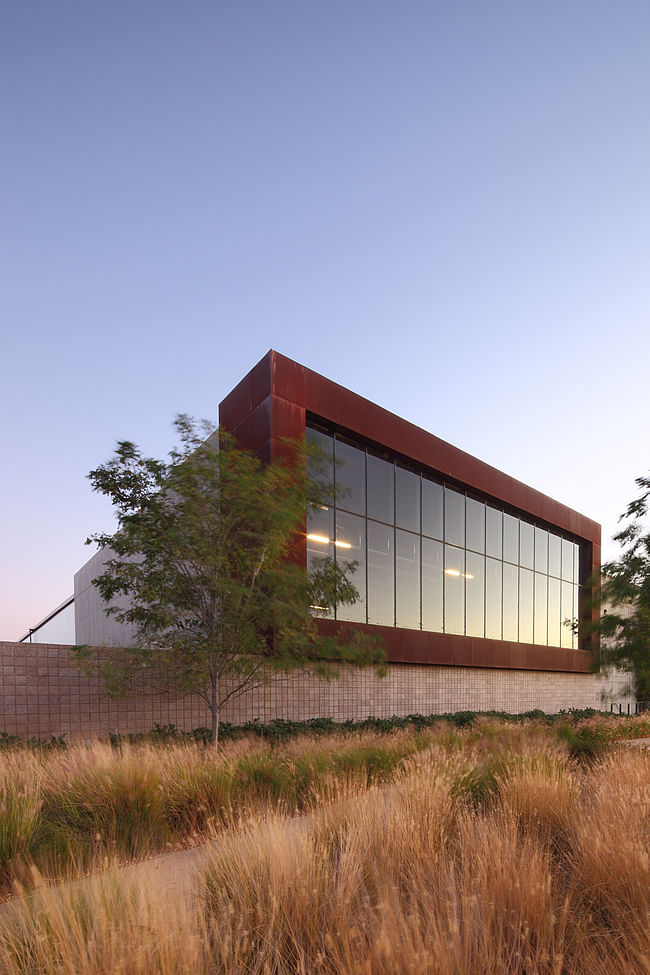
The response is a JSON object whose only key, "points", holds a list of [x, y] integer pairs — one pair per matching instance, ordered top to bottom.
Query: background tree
{"points": [[205, 552], [624, 595]]}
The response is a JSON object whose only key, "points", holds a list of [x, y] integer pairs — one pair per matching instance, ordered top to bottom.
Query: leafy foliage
{"points": [[205, 552], [625, 596]]}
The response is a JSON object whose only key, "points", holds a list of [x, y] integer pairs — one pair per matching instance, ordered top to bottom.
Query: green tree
{"points": [[206, 552], [624, 596]]}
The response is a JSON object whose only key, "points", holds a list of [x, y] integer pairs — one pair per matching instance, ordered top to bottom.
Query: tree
{"points": [[205, 551], [624, 595]]}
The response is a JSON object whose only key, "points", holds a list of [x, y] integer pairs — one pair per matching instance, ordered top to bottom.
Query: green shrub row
{"points": [[281, 730]]}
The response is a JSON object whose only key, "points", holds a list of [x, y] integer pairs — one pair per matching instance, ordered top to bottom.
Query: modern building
{"points": [[458, 563], [473, 580]]}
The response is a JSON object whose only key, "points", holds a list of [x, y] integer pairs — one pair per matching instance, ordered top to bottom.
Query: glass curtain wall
{"points": [[430, 556]]}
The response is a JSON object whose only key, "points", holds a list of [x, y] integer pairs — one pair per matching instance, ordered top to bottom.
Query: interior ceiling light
{"points": [[322, 539], [342, 544]]}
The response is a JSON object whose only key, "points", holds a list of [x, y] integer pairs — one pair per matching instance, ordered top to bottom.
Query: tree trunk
{"points": [[214, 709]]}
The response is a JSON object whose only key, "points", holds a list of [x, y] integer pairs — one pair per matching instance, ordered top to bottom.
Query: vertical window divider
{"points": [[365, 532], [421, 548], [465, 572], [534, 592]]}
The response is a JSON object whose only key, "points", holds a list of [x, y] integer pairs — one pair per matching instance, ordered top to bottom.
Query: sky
{"points": [[443, 206]]}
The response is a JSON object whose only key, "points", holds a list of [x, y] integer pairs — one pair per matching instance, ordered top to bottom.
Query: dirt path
{"points": [[637, 742], [178, 873], [175, 875]]}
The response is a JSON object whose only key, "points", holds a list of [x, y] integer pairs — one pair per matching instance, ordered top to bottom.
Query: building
{"points": [[471, 578]]}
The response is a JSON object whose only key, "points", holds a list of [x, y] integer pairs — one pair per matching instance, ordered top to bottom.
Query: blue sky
{"points": [[442, 206]]}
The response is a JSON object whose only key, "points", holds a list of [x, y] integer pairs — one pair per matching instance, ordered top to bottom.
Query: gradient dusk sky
{"points": [[443, 206]]}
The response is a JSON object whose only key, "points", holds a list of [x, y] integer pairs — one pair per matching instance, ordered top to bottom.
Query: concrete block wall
{"points": [[44, 693]]}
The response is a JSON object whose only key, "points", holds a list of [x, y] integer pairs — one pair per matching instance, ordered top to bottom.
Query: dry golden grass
{"points": [[67, 811], [487, 852], [551, 876], [106, 925]]}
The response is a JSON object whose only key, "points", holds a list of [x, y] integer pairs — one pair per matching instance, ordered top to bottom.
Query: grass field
{"points": [[495, 848]]}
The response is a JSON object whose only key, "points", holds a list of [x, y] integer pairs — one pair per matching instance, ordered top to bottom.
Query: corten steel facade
{"points": [[281, 399]]}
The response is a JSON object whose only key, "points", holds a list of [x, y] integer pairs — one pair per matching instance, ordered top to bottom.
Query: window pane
{"points": [[320, 468], [350, 478], [381, 489], [432, 507], [407, 509], [454, 517], [475, 525], [494, 532], [320, 534], [511, 539], [526, 544], [320, 545], [351, 547], [541, 550], [554, 555], [567, 560], [576, 563], [432, 576], [381, 578], [407, 579], [454, 590], [475, 595], [493, 599], [510, 602], [525, 606], [541, 608], [576, 614], [554, 617], [566, 639]]}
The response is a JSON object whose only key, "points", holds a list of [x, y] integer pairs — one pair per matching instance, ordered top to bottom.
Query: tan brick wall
{"points": [[44, 693]]}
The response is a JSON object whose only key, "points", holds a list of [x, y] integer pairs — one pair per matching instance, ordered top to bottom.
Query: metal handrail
{"points": [[639, 708]]}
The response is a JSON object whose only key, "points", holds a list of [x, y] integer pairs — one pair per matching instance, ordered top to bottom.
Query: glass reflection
{"points": [[320, 468], [350, 472], [381, 489], [407, 502], [432, 508], [454, 517], [393, 522], [475, 525], [494, 532], [320, 534], [511, 539], [526, 544], [351, 547], [541, 550], [554, 555], [567, 560], [381, 579], [407, 579], [432, 585], [475, 594], [493, 599], [510, 602], [454, 606], [525, 606], [541, 608], [554, 614], [566, 636]]}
